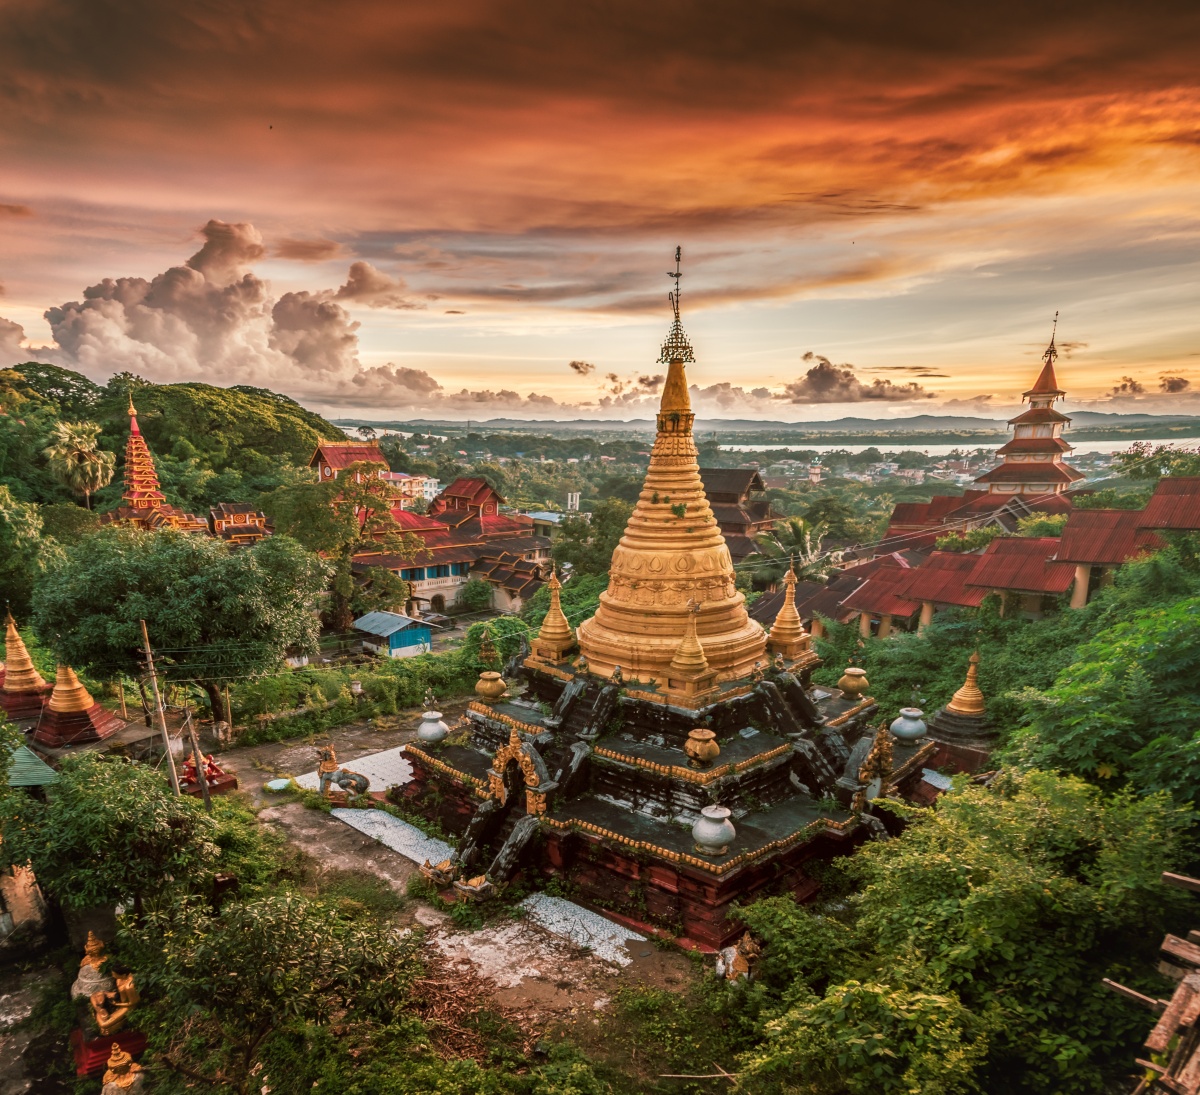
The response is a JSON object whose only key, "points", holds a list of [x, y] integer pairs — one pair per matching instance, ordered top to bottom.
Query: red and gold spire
{"points": [[142, 490]]}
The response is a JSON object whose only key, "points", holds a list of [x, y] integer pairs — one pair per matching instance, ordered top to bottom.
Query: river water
{"points": [[1081, 447]]}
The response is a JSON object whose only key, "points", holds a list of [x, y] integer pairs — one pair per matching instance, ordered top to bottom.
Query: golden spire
{"points": [[672, 553], [787, 635], [555, 636], [689, 658], [20, 674], [69, 695], [968, 700]]}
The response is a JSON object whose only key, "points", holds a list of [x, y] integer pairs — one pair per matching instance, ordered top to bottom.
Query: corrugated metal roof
{"points": [[341, 454], [1033, 472], [1175, 504], [1105, 537], [1022, 564], [942, 580], [878, 594], [383, 623], [27, 769]]}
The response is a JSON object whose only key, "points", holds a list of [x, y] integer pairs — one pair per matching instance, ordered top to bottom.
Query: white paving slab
{"points": [[390, 768], [398, 835], [605, 938]]}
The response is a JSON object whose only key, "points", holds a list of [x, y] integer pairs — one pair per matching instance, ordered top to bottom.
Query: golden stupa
{"points": [[671, 555], [787, 635], [555, 637], [20, 674], [69, 694], [968, 700]]}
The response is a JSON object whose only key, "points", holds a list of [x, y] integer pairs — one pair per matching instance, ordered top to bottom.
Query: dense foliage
{"points": [[213, 615], [969, 954]]}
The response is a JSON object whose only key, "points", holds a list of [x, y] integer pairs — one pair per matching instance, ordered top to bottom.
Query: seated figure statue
{"points": [[211, 770], [91, 979], [111, 1009]]}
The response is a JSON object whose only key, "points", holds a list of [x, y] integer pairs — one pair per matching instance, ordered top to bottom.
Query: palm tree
{"points": [[75, 460], [795, 542]]}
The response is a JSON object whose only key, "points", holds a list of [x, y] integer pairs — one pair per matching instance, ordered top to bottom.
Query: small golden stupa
{"points": [[672, 554], [787, 635], [555, 637], [25, 689], [968, 700], [71, 715]]}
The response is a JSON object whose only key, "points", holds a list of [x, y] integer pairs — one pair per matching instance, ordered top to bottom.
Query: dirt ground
{"points": [[544, 980]]}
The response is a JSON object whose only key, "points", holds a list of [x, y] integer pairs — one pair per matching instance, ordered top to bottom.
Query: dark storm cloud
{"points": [[581, 367], [826, 382], [1173, 384]]}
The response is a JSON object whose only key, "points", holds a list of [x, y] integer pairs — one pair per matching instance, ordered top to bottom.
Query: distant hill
{"points": [[921, 423]]}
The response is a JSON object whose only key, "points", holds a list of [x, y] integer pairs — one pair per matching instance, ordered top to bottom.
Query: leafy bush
{"points": [[475, 596]]}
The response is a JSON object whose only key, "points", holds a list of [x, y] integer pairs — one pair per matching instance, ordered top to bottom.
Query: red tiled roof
{"points": [[1046, 383], [1039, 416], [1034, 444], [341, 454], [1031, 473], [472, 489], [1048, 503], [1175, 504], [918, 514], [417, 522], [1105, 537], [911, 540], [1023, 564], [942, 579], [878, 594]]}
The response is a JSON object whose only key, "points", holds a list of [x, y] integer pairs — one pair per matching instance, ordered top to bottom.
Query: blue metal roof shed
{"points": [[394, 634]]}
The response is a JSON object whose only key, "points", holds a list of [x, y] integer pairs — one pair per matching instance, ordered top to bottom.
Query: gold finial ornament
{"points": [[672, 553], [787, 635], [555, 636], [689, 658], [20, 673], [69, 694], [968, 700], [123, 1071]]}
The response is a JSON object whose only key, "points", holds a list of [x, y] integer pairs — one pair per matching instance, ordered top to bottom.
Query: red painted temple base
{"points": [[25, 705], [59, 728], [692, 904], [91, 1055]]}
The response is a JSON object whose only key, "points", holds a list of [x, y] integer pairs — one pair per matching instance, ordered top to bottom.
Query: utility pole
{"points": [[158, 706], [198, 761]]}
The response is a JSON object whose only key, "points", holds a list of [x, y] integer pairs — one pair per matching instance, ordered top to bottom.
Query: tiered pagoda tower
{"points": [[1033, 461], [143, 503], [672, 570], [25, 690], [665, 711]]}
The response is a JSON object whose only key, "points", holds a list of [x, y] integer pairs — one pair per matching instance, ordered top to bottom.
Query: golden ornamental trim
{"points": [[551, 671], [498, 716], [845, 716], [442, 766], [675, 771], [822, 824]]}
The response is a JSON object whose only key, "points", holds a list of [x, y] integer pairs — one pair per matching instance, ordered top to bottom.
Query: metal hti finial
{"points": [[676, 347], [1051, 354]]}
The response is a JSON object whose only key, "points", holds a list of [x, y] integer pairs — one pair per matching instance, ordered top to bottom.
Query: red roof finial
{"points": [[1047, 383]]}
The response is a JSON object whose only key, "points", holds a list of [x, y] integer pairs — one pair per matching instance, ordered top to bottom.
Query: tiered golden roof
{"points": [[672, 553], [787, 635], [555, 636], [20, 675], [69, 694], [968, 700]]}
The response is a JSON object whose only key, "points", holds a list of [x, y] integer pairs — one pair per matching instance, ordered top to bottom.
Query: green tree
{"points": [[72, 393], [75, 460], [1145, 460], [342, 518], [1040, 524], [971, 540], [793, 543], [589, 545], [22, 550], [475, 596], [213, 615], [109, 831], [971, 955], [221, 987]]}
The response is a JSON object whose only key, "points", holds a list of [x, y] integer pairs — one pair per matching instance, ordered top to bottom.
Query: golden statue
{"points": [[671, 555], [91, 978], [111, 1009], [124, 1074]]}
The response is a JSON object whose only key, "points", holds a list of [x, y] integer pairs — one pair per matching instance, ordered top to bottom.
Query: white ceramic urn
{"points": [[910, 725], [432, 729], [713, 831]]}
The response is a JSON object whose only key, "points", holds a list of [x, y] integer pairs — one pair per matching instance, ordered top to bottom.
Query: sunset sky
{"points": [[397, 209]]}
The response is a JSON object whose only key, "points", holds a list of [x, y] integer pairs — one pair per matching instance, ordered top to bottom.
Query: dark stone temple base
{"points": [[966, 741]]}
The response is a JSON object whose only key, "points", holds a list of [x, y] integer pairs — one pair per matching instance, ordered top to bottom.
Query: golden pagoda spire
{"points": [[672, 553], [787, 635], [555, 636], [689, 658], [20, 674], [69, 694], [968, 700]]}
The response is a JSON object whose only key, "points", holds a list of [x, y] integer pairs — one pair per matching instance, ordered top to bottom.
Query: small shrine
{"points": [[24, 691], [71, 716], [962, 727], [670, 757]]}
